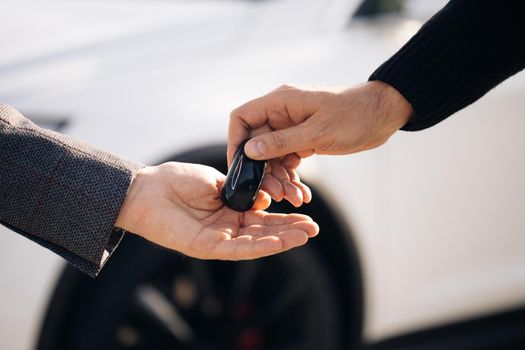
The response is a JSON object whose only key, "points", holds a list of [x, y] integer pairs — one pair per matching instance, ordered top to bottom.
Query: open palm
{"points": [[178, 206]]}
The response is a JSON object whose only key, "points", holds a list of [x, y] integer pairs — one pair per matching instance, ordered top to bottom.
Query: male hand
{"points": [[291, 123], [178, 206]]}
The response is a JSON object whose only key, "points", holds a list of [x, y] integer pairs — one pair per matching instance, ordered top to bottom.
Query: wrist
{"points": [[393, 106], [129, 214]]}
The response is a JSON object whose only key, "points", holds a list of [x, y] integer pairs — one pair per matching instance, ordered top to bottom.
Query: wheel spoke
{"points": [[165, 313]]}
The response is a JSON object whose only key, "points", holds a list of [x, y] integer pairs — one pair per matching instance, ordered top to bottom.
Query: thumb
{"points": [[278, 143]]}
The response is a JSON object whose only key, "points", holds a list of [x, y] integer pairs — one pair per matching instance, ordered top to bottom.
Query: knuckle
{"points": [[285, 87], [234, 113], [278, 140]]}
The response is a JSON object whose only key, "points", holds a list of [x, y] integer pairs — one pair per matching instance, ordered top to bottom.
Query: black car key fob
{"points": [[243, 181]]}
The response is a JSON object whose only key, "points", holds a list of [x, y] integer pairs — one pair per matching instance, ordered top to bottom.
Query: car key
{"points": [[243, 181]]}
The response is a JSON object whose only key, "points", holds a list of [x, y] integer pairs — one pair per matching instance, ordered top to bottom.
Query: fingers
{"points": [[281, 109], [286, 109], [240, 127], [238, 131], [250, 132], [279, 143], [305, 154], [290, 163], [282, 181], [273, 187], [280, 189], [305, 191], [263, 201], [258, 217], [309, 227], [257, 234], [258, 240], [247, 247]]}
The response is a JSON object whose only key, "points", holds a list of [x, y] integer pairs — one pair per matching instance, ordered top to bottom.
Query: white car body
{"points": [[438, 215]]}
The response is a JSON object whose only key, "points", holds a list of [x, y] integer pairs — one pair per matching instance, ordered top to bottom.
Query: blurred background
{"points": [[422, 242]]}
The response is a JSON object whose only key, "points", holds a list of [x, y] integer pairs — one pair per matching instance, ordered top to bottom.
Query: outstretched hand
{"points": [[291, 123], [178, 206]]}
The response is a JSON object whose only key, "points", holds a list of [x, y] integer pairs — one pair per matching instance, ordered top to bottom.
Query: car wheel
{"points": [[147, 297], [151, 298]]}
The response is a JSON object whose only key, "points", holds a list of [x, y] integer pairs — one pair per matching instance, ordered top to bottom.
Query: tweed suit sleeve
{"points": [[60, 192]]}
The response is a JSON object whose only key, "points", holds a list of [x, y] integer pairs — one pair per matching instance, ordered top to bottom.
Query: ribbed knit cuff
{"points": [[456, 57]]}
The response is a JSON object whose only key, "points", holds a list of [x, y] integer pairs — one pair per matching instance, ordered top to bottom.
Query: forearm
{"points": [[465, 50], [60, 192]]}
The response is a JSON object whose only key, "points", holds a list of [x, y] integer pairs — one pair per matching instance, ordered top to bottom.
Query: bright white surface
{"points": [[438, 215], [457, 235], [28, 273]]}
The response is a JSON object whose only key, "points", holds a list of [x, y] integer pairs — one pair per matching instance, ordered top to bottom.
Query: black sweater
{"points": [[461, 53]]}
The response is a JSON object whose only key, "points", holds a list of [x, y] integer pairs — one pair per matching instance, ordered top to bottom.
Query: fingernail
{"points": [[255, 149]]}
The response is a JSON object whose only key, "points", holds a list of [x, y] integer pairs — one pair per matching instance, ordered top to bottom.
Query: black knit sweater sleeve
{"points": [[461, 53]]}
